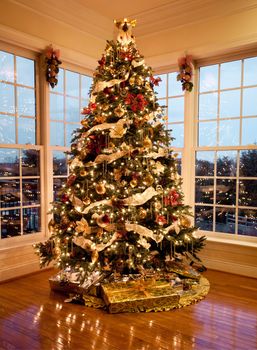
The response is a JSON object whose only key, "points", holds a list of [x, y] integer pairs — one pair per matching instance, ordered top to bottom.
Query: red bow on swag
{"points": [[136, 102], [90, 109], [172, 199]]}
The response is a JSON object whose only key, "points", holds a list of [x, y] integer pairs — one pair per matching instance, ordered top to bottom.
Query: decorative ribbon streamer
{"points": [[138, 63], [115, 126], [155, 155], [109, 158], [76, 163], [140, 198], [98, 203], [82, 226], [174, 226], [144, 232]]}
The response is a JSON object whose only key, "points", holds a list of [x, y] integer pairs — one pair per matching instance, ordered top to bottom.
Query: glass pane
{"points": [[6, 66], [250, 69], [25, 71], [230, 74], [209, 78], [72, 83], [60, 86], [85, 86], [174, 86], [161, 89], [249, 101], [26, 102], [7, 104], [230, 104], [208, 106], [56, 107], [176, 109], [72, 110], [70, 128], [7, 129], [26, 131], [249, 131], [229, 132], [56, 134], [178, 134], [207, 134], [9, 162], [30, 162], [179, 162], [59, 163], [204, 163], [226, 163], [248, 163], [58, 184], [30, 191], [204, 191], [226, 191], [9, 193], [247, 193], [204, 217], [31, 220], [225, 220], [247, 222], [10, 223]]}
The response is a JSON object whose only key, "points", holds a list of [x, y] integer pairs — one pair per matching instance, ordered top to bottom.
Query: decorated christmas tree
{"points": [[121, 211]]}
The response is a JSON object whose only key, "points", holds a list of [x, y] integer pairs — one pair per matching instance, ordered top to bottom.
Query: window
{"points": [[226, 154], [20, 181]]}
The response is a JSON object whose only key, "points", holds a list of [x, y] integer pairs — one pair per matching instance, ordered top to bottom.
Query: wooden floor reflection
{"points": [[33, 318]]}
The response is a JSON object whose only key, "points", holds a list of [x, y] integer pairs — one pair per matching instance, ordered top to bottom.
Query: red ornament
{"points": [[102, 62], [155, 81], [136, 102], [88, 110], [71, 179], [65, 198], [172, 198], [105, 219], [160, 220]]}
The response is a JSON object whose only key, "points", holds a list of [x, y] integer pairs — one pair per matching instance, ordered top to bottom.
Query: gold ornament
{"points": [[132, 80], [139, 80], [148, 86], [105, 107], [119, 111], [84, 122], [147, 143], [83, 173], [148, 180], [123, 183], [133, 183], [100, 188], [87, 201], [157, 205], [142, 213], [185, 221]]}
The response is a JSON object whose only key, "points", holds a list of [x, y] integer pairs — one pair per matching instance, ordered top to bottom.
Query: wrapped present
{"points": [[183, 270], [140, 295]]}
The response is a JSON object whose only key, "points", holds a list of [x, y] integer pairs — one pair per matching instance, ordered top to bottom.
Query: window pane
{"points": [[6, 66], [250, 69], [25, 71], [230, 74], [209, 78], [72, 83], [60, 86], [85, 86], [174, 86], [162, 88], [7, 98], [249, 101], [26, 102], [230, 104], [208, 106], [56, 107], [176, 109], [72, 110], [70, 128], [7, 129], [26, 131], [249, 131], [229, 132], [56, 134], [178, 134], [207, 134], [178, 156], [9, 162], [30, 162], [59, 163], [226, 163], [248, 163], [204, 164], [58, 183], [204, 190], [30, 191], [226, 192], [9, 193], [248, 193], [204, 217], [31, 220], [225, 220], [247, 222], [10, 223]]}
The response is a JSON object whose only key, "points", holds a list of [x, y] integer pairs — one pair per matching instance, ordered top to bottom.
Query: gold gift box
{"points": [[140, 295]]}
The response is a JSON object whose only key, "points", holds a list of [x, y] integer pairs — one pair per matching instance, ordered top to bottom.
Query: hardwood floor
{"points": [[33, 318]]}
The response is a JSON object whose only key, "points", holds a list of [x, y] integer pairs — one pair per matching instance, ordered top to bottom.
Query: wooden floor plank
{"points": [[34, 318]]}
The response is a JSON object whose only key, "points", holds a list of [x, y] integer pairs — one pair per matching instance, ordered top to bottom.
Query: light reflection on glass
{"points": [[6, 66], [25, 71], [230, 74], [209, 78], [26, 102], [7, 104], [230, 104], [208, 106], [7, 129], [26, 131], [9, 162], [30, 162], [204, 163], [226, 163], [248, 163], [204, 190], [30, 191], [226, 191], [9, 193], [248, 193], [204, 217], [31, 220], [225, 220], [247, 222], [10, 223]]}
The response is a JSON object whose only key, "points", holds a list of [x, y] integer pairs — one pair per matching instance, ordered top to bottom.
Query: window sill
{"points": [[223, 238]]}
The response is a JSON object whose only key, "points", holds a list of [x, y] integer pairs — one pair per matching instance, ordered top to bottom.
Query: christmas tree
{"points": [[121, 210]]}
